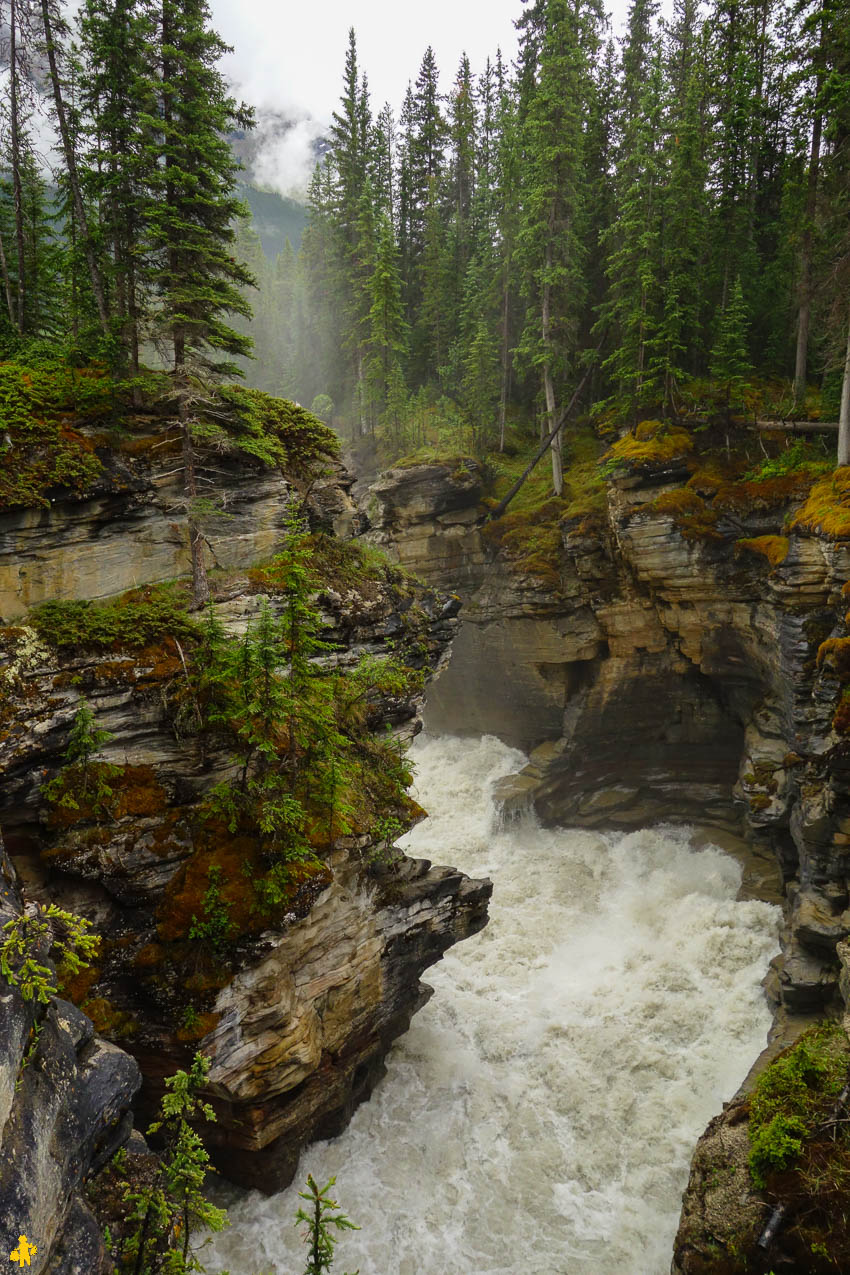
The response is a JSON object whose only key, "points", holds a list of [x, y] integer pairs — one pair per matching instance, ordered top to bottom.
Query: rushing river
{"points": [[539, 1116]]}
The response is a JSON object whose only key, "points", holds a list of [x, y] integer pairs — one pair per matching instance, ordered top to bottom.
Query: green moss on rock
{"points": [[651, 442], [827, 507], [694, 518], [136, 620]]}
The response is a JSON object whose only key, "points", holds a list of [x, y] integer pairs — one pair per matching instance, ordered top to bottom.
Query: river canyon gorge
{"points": [[634, 752]]}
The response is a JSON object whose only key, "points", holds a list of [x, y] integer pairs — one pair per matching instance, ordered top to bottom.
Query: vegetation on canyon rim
{"points": [[800, 1147]]}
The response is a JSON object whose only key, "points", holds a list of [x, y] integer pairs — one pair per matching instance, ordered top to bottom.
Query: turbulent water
{"points": [[539, 1116]]}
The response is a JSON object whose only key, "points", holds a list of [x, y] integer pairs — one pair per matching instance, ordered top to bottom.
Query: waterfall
{"points": [[539, 1116]]}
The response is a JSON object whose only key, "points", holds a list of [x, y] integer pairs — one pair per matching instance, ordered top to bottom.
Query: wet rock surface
{"points": [[672, 677], [679, 677], [298, 1029]]}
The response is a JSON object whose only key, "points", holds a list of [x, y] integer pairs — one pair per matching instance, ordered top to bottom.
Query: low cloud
{"points": [[285, 153]]}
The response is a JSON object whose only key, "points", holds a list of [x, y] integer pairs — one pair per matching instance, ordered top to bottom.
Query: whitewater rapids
{"points": [[539, 1116]]}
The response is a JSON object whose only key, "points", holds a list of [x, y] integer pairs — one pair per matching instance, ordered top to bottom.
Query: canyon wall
{"points": [[680, 656], [661, 676], [298, 1019]]}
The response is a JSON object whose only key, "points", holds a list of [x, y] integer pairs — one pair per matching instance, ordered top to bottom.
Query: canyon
{"points": [[651, 674]]}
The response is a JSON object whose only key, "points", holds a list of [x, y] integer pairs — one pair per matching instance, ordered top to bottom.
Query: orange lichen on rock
{"points": [[151, 445], [757, 494], [827, 508], [694, 518], [531, 539], [774, 548], [834, 656], [841, 717], [107, 792], [138, 792], [239, 862], [149, 956], [77, 987], [109, 1020], [199, 1026]]}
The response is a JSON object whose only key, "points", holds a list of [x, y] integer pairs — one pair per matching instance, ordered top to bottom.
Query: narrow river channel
{"points": [[540, 1115]]}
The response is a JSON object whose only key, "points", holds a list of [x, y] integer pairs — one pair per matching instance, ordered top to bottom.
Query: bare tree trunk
{"points": [[15, 139], [71, 166], [7, 283], [803, 316], [506, 359], [548, 386], [361, 394], [844, 414], [544, 443], [200, 583]]}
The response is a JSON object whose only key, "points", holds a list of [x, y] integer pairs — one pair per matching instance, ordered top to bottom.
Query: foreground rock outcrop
{"points": [[65, 1108]]}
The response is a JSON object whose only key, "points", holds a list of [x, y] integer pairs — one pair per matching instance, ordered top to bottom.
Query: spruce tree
{"points": [[54, 29], [117, 106], [683, 205], [190, 225], [550, 239], [631, 311], [387, 328], [730, 361]]}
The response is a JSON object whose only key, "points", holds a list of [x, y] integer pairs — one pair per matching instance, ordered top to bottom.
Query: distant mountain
{"points": [[278, 154], [276, 219]]}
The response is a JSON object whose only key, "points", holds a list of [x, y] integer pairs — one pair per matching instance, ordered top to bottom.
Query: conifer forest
{"points": [[651, 220], [487, 503]]}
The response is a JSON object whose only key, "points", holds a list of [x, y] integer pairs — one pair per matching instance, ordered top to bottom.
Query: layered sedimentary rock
{"points": [[128, 529], [515, 659], [688, 663], [666, 674], [299, 1024]]}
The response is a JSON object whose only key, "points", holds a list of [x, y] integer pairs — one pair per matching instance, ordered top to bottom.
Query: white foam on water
{"points": [[539, 1116]]}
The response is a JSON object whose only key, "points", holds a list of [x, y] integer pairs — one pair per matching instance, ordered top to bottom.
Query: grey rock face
{"points": [[674, 677], [64, 1111]]}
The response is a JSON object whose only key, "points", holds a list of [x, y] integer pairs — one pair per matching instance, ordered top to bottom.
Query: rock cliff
{"points": [[682, 656], [662, 675], [300, 1006], [64, 1111]]}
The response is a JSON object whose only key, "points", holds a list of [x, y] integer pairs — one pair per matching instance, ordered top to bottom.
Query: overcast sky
{"points": [[291, 56]]}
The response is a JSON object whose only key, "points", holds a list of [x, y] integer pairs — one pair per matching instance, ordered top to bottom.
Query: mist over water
{"points": [[540, 1115]]}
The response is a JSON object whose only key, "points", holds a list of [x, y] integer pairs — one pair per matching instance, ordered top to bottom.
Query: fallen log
{"points": [[798, 427]]}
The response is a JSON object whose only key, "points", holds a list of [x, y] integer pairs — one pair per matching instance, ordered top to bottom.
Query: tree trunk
{"points": [[15, 139], [71, 167], [7, 283], [506, 358], [800, 362], [548, 386], [361, 395], [844, 414], [544, 444], [200, 583]]}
